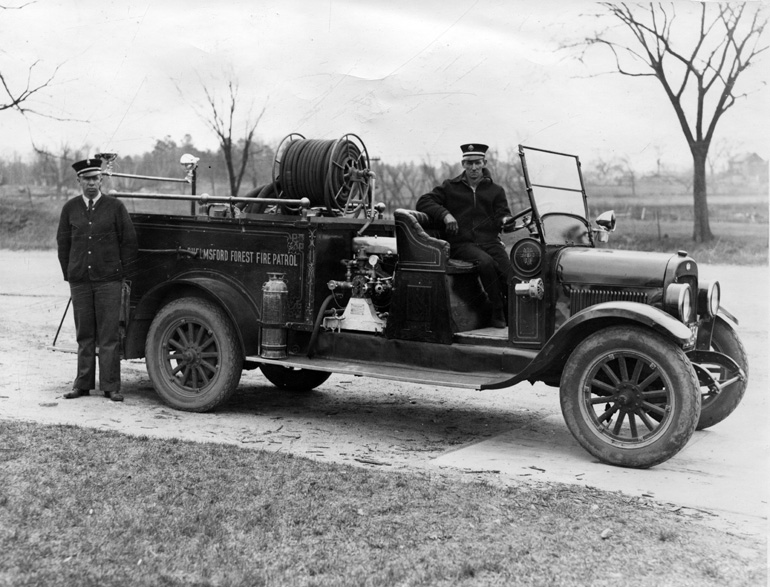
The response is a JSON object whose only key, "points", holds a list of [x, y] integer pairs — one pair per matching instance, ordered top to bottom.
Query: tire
{"points": [[193, 356], [293, 379], [630, 397], [716, 407]]}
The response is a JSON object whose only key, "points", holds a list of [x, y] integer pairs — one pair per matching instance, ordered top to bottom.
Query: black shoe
{"points": [[76, 393], [114, 396]]}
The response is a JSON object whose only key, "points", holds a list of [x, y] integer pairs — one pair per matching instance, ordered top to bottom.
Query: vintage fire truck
{"points": [[307, 276]]}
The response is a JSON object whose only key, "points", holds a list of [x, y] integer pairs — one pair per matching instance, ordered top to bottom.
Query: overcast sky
{"points": [[414, 79]]}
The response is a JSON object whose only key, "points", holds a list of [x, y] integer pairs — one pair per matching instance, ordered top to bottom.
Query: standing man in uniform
{"points": [[473, 209], [97, 246]]}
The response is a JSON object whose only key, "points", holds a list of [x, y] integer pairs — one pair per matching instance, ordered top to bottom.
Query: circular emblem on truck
{"points": [[526, 257]]}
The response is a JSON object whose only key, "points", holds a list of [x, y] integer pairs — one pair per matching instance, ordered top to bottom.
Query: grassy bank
{"points": [[30, 223], [83, 507]]}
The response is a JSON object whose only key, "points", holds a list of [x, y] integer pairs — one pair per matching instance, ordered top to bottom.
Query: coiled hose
{"points": [[303, 170], [329, 173]]}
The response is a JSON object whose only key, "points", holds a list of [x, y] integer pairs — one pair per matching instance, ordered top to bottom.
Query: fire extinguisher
{"points": [[273, 331]]}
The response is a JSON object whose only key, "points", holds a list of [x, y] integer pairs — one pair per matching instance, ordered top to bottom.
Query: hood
{"points": [[612, 267]]}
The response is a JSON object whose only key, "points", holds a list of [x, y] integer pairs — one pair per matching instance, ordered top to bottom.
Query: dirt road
{"points": [[513, 435]]}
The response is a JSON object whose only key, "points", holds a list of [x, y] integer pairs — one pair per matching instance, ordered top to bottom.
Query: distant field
{"points": [[722, 208], [29, 222], [665, 223], [734, 244]]}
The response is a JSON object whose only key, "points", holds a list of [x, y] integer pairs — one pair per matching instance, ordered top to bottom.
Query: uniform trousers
{"points": [[493, 265], [96, 307]]}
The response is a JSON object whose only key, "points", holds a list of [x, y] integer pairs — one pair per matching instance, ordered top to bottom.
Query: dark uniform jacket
{"points": [[478, 213], [97, 249]]}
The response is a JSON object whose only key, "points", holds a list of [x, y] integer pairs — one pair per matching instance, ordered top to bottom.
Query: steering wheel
{"points": [[512, 226]]}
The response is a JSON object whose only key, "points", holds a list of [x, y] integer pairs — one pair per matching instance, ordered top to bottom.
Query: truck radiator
{"points": [[583, 298]]}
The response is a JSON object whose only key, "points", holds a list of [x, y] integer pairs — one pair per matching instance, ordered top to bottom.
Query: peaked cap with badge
{"points": [[473, 151], [88, 167]]}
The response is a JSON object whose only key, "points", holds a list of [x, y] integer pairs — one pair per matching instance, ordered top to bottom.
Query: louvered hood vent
{"points": [[583, 298]]}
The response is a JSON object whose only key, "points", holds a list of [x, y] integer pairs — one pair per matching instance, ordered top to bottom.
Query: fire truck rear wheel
{"points": [[192, 354], [293, 379]]}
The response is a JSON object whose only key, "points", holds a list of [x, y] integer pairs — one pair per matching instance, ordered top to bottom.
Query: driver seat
{"points": [[419, 245], [434, 296]]}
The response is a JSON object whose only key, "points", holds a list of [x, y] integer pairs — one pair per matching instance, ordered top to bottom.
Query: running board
{"points": [[474, 380]]}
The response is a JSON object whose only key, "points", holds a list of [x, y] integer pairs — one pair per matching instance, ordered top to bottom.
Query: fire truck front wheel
{"points": [[192, 355], [630, 397]]}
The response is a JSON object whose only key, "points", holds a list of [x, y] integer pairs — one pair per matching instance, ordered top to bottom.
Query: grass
{"points": [[30, 223], [25, 225], [734, 244], [85, 507]]}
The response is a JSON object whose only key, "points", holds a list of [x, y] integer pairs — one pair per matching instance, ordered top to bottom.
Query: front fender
{"points": [[229, 294], [727, 316], [706, 327], [557, 348]]}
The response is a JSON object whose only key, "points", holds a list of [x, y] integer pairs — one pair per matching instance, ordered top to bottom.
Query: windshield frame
{"points": [[562, 189]]}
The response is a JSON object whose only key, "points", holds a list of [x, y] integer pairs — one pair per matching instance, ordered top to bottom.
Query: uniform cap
{"points": [[474, 151], [88, 167]]}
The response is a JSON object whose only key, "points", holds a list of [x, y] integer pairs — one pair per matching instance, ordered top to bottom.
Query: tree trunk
{"points": [[230, 172], [701, 228]]}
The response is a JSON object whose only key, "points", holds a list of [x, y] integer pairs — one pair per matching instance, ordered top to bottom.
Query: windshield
{"points": [[556, 185]]}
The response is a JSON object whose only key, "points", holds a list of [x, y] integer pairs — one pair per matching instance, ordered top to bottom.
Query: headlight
{"points": [[709, 295], [679, 301], [685, 306]]}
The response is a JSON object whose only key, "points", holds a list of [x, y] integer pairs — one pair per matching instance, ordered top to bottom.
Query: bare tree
{"points": [[697, 66], [17, 96], [236, 150], [722, 151], [260, 166], [54, 169], [629, 173], [508, 174], [393, 187]]}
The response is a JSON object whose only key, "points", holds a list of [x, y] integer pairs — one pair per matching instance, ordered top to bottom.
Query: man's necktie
{"points": [[90, 207]]}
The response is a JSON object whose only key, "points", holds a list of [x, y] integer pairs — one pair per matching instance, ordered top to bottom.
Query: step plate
{"points": [[473, 380]]}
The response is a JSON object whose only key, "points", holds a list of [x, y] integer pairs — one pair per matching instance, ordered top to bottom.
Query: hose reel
{"points": [[332, 174]]}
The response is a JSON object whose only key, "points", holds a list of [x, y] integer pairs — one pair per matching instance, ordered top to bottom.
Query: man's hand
{"points": [[505, 221], [451, 224]]}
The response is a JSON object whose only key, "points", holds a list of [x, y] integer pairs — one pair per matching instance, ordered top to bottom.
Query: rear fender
{"points": [[230, 296], [554, 354]]}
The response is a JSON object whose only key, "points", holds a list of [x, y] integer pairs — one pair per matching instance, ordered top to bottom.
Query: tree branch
{"points": [[4, 7], [16, 100]]}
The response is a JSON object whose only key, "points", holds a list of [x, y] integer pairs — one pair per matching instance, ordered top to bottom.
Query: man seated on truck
{"points": [[472, 210]]}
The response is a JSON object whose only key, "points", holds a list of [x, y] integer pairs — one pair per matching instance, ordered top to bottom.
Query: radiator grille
{"points": [[583, 298]]}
